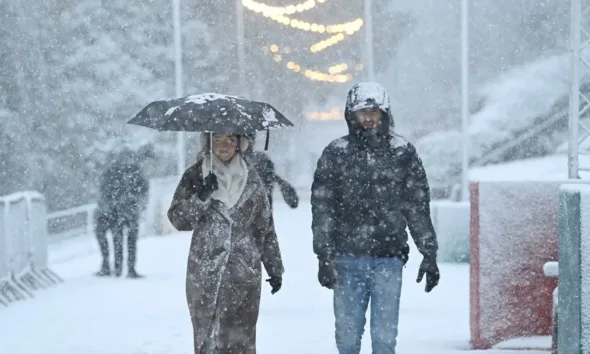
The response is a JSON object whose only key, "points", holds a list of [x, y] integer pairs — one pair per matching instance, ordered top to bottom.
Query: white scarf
{"points": [[231, 178]]}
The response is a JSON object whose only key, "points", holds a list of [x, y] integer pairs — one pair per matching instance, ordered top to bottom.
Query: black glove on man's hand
{"points": [[210, 185], [430, 268], [326, 274], [275, 283]]}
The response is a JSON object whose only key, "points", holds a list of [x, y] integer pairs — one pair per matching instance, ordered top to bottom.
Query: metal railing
{"points": [[71, 223], [23, 247]]}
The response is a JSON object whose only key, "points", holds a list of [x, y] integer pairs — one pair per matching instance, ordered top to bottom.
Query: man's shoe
{"points": [[105, 271], [118, 271], [133, 274]]}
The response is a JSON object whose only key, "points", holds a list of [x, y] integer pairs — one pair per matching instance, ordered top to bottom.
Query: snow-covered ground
{"points": [[149, 316]]}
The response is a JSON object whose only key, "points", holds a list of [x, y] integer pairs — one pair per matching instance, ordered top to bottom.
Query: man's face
{"points": [[368, 118]]}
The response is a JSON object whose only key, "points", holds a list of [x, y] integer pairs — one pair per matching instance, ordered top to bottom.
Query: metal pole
{"points": [[369, 40], [240, 46], [465, 99], [574, 104], [180, 149]]}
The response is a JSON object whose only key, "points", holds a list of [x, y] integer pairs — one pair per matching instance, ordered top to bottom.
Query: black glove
{"points": [[210, 185], [289, 193], [430, 268], [326, 274], [275, 283]]}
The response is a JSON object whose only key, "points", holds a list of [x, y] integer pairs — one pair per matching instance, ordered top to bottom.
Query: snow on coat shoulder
{"points": [[398, 141], [340, 143]]}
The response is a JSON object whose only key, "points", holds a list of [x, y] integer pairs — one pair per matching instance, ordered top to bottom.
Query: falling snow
{"points": [[73, 73]]}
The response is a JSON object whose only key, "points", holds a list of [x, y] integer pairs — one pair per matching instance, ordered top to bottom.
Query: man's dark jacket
{"points": [[266, 170], [368, 186], [123, 189]]}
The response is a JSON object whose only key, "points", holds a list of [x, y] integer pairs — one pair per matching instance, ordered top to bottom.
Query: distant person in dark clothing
{"points": [[266, 170], [123, 194]]}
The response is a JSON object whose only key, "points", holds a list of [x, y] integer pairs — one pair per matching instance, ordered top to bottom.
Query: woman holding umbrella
{"points": [[223, 201], [233, 233]]}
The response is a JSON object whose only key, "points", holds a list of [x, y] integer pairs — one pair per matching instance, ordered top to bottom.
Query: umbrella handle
{"points": [[267, 140], [211, 152]]}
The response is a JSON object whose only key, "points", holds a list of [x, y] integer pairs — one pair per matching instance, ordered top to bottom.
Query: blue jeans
{"points": [[358, 280]]}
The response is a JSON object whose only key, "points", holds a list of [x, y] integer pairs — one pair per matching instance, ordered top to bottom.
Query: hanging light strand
{"points": [[259, 7], [278, 14], [349, 28], [319, 46], [336, 69], [336, 75], [321, 76], [333, 114]]}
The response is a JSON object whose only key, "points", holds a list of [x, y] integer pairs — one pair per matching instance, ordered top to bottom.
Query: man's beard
{"points": [[369, 132], [370, 136]]}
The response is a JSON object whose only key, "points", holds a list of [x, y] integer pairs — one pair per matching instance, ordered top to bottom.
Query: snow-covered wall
{"points": [[451, 223], [514, 232], [574, 270]]}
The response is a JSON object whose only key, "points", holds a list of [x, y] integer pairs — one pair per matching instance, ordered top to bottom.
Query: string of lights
{"points": [[259, 7], [278, 14], [349, 28], [319, 46], [336, 69], [336, 73], [313, 75], [327, 77], [333, 114]]}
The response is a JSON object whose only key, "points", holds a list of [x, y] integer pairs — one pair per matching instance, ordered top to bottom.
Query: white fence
{"points": [[79, 221], [70, 223], [23, 247]]}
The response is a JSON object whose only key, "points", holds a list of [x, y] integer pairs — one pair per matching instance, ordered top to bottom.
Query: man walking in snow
{"points": [[368, 186], [123, 193]]}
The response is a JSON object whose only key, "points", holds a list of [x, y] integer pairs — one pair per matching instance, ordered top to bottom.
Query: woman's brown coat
{"points": [[223, 280]]}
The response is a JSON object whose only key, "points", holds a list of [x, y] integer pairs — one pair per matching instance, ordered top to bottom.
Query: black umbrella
{"points": [[210, 112]]}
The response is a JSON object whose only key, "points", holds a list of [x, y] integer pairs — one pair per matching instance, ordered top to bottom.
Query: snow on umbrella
{"points": [[210, 112]]}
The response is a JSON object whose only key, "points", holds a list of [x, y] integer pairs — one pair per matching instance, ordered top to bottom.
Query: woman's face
{"points": [[225, 146]]}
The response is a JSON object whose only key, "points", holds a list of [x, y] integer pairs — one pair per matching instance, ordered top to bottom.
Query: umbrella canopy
{"points": [[210, 112]]}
